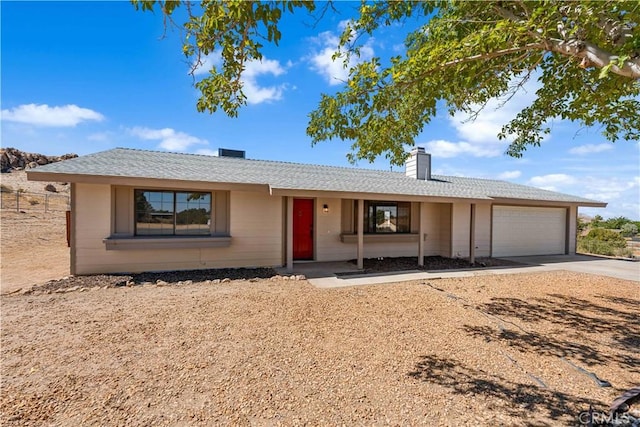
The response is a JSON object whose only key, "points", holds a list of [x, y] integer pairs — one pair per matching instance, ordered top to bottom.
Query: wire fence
{"points": [[27, 201]]}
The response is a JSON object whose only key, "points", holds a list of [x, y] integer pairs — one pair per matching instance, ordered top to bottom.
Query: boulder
{"points": [[14, 159]]}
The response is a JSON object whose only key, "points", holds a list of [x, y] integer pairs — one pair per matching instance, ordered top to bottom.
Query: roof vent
{"points": [[225, 152], [418, 164]]}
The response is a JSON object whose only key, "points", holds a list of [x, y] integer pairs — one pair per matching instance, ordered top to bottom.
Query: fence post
{"points": [[17, 201], [46, 202]]}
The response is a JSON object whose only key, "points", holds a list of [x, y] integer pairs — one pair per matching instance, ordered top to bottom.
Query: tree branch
{"points": [[496, 54], [591, 54], [595, 56]]}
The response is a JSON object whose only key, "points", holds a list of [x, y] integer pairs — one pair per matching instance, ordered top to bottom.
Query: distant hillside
{"points": [[14, 159]]}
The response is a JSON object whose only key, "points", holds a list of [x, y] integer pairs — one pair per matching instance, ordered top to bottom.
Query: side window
{"points": [[172, 213]]}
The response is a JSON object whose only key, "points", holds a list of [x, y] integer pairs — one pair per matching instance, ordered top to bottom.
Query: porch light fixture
{"points": [[325, 208]]}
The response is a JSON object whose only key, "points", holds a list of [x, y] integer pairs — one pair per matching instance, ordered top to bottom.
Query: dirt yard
{"points": [[34, 246], [489, 350]]}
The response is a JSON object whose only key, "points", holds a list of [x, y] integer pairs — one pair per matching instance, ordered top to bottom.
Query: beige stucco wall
{"points": [[255, 221], [255, 226], [328, 228], [460, 229], [572, 229], [483, 230]]}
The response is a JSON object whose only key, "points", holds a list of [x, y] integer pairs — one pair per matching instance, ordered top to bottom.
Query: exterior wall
{"points": [[92, 217], [255, 225], [328, 226], [445, 229], [460, 229], [483, 230], [572, 230], [436, 231]]}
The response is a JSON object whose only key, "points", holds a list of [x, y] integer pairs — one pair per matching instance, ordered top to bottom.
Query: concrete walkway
{"points": [[324, 274]]}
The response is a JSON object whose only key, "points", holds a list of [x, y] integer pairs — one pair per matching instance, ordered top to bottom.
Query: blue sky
{"points": [[84, 77]]}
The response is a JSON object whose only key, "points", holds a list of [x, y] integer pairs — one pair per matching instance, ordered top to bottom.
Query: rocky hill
{"points": [[14, 159]]}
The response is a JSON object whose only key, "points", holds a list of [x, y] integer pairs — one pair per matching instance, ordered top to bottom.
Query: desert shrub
{"points": [[4, 188], [34, 202], [615, 223], [629, 229], [612, 238], [595, 246], [625, 252]]}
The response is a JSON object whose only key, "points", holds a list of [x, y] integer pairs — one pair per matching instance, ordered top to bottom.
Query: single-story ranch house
{"points": [[135, 210]]}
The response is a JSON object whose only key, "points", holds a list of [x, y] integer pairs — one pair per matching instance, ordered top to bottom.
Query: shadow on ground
{"points": [[592, 328], [518, 400]]}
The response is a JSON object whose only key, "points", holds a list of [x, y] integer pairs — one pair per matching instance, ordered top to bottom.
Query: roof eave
{"points": [[144, 182], [341, 194], [542, 202]]}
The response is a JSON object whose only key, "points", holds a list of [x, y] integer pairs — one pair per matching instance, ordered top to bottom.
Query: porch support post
{"points": [[421, 230], [289, 234], [360, 234], [472, 235]]}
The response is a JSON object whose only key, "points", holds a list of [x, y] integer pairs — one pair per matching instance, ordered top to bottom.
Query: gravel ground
{"points": [[431, 263], [371, 265], [486, 350]]}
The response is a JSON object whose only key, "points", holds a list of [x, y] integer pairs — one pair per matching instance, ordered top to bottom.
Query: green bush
{"points": [[615, 223], [629, 230], [610, 237], [604, 242], [595, 246]]}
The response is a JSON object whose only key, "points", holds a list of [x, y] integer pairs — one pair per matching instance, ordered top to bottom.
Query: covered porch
{"points": [[347, 228]]}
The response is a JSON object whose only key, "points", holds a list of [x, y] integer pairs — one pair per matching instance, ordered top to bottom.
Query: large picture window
{"points": [[172, 213], [387, 217]]}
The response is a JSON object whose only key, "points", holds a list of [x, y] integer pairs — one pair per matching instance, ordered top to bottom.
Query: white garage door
{"points": [[521, 231]]}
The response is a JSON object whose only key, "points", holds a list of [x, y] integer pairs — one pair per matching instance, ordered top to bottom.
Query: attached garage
{"points": [[523, 230]]}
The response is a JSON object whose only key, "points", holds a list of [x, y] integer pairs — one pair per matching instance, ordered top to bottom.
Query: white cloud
{"points": [[207, 63], [334, 71], [255, 93], [496, 113], [43, 115], [99, 136], [479, 137], [170, 139], [590, 148], [448, 149], [510, 175], [552, 181], [591, 187], [611, 188]]}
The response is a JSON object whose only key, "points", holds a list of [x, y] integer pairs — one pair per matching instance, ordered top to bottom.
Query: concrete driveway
{"points": [[619, 269]]}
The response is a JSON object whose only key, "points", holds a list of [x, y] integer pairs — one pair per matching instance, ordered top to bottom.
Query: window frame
{"points": [[174, 214], [369, 227]]}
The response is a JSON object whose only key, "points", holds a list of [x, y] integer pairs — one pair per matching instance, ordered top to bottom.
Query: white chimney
{"points": [[418, 164]]}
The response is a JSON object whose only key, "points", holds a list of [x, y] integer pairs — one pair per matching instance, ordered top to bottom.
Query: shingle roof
{"points": [[123, 162]]}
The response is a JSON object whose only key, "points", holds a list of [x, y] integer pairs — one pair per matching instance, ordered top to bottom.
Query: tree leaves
{"points": [[585, 54]]}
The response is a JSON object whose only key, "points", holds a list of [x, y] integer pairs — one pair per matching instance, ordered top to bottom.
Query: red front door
{"points": [[302, 228]]}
